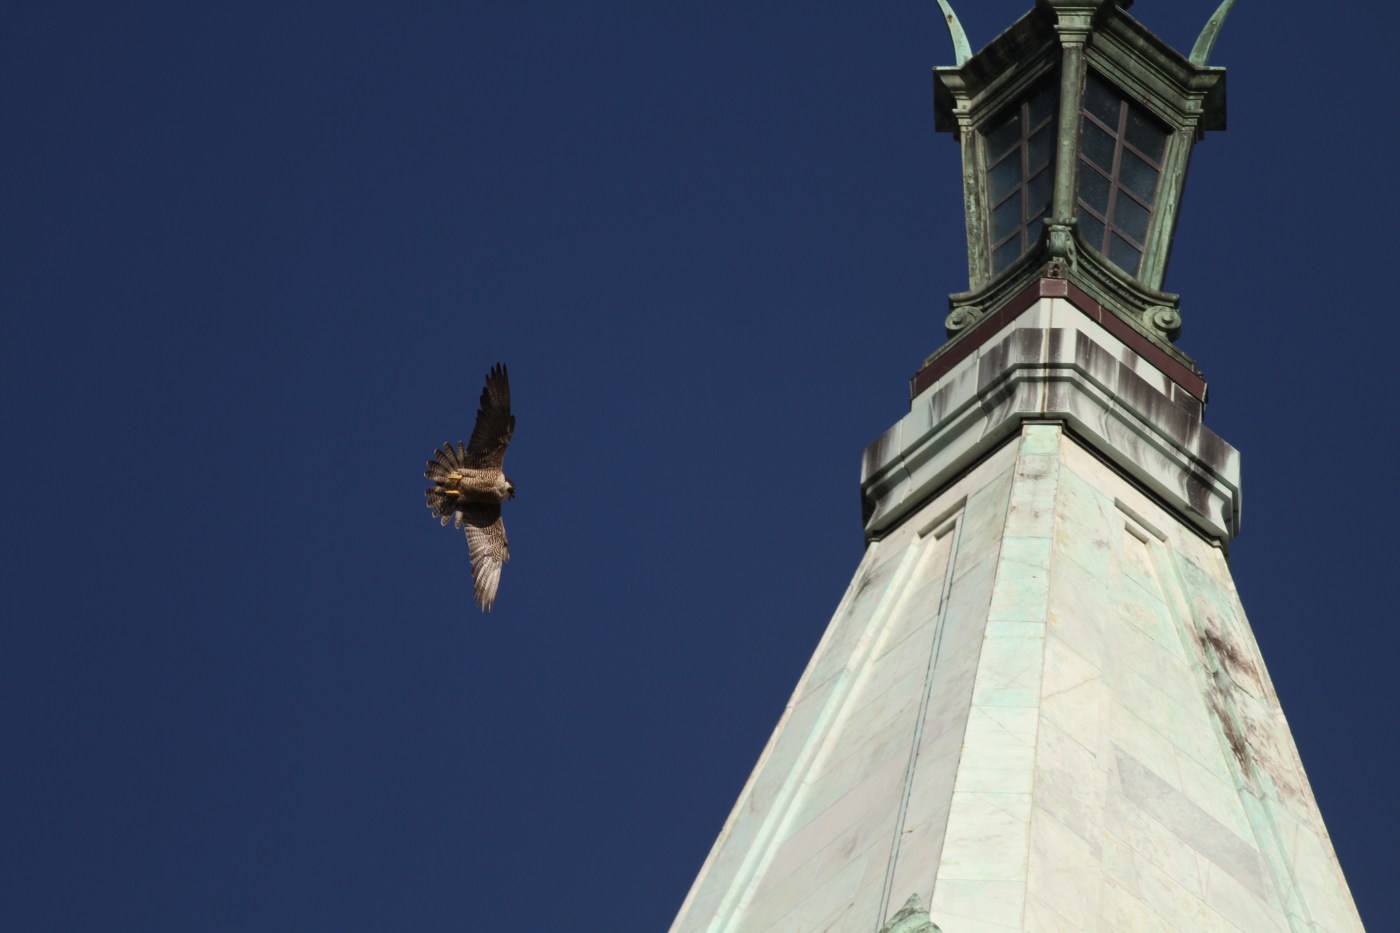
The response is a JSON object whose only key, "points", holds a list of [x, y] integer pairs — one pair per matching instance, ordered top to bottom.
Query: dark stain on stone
{"points": [[993, 364], [1198, 492], [862, 585], [1229, 653], [1248, 740], [1238, 746]]}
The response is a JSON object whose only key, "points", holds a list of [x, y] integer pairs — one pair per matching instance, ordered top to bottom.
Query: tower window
{"points": [[1020, 147], [1120, 162]]}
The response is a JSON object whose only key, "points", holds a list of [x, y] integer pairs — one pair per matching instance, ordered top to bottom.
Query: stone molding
{"points": [[977, 327], [1055, 363]]}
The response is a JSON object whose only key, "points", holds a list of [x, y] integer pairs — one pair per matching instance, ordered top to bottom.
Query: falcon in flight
{"points": [[469, 487]]}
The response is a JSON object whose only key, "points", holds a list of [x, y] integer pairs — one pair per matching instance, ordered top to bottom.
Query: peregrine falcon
{"points": [[469, 486]]}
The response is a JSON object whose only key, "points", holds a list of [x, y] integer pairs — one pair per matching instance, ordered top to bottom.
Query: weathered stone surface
{"points": [[1055, 363], [1039, 706]]}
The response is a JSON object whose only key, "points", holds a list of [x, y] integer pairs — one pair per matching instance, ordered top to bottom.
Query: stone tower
{"points": [[1039, 705]]}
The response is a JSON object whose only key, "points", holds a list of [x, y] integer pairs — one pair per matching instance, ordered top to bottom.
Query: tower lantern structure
{"points": [[1076, 126], [1039, 704]]}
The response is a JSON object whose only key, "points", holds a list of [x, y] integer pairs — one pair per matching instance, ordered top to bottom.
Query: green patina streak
{"points": [[962, 51], [1200, 52], [911, 918]]}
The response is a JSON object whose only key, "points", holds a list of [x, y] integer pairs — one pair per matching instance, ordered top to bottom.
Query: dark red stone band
{"points": [[1174, 370]]}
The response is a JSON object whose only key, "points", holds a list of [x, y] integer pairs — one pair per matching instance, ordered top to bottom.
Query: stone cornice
{"points": [[975, 317], [1054, 362]]}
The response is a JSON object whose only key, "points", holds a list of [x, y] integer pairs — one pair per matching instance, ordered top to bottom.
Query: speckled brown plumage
{"points": [[469, 486]]}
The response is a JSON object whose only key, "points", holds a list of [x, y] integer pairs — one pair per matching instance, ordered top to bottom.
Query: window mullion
{"points": [[1025, 177]]}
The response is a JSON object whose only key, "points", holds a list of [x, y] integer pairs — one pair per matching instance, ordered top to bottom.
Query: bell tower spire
{"points": [[1039, 705]]}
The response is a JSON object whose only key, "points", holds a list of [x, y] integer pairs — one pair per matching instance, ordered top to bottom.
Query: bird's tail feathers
{"points": [[445, 462], [445, 507]]}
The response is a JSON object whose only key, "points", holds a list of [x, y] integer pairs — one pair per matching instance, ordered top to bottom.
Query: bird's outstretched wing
{"points": [[494, 424], [486, 539]]}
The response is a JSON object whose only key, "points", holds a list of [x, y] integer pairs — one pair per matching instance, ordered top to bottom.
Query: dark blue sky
{"points": [[256, 259]]}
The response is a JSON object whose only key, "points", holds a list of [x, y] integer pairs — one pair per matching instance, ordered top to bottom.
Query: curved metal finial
{"points": [[961, 50], [1200, 52]]}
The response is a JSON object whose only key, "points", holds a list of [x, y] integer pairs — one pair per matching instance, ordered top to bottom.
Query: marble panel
{"points": [[1040, 440], [957, 444], [1085, 465], [1032, 507], [981, 533], [1083, 533], [1135, 561], [1022, 581], [918, 605], [1076, 611], [1145, 611], [863, 615], [912, 615], [965, 619], [1005, 628], [913, 655], [826, 667], [1164, 667], [1009, 671], [885, 683], [1072, 695], [950, 697], [881, 700], [1189, 728], [1134, 737], [942, 740], [1271, 748], [998, 750], [853, 761], [1070, 784], [931, 788], [1214, 791], [875, 798], [1207, 835], [1132, 836], [988, 838], [920, 849], [1115, 854], [1064, 870], [1320, 880], [786, 883], [823, 899], [1174, 905], [966, 906], [1242, 907], [1121, 911], [853, 915], [1040, 917]]}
